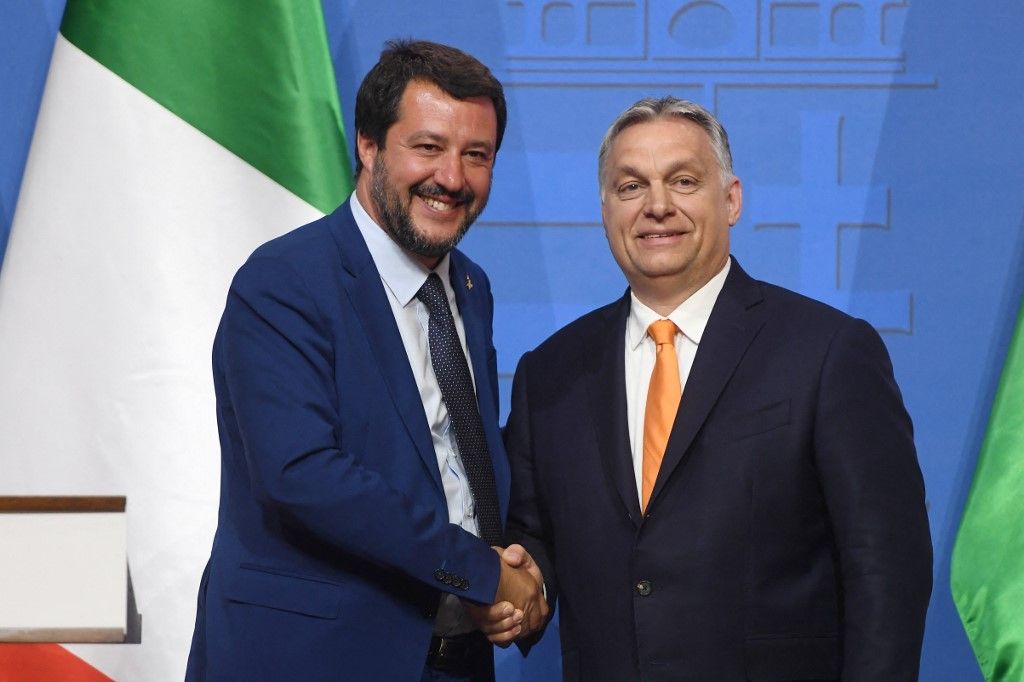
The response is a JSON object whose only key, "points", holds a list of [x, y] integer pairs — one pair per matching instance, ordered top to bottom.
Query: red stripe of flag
{"points": [[49, 662]]}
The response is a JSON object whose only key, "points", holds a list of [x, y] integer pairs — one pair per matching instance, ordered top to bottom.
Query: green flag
{"points": [[988, 559]]}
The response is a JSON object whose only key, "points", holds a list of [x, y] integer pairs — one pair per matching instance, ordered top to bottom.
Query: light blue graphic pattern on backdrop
{"points": [[829, 214]]}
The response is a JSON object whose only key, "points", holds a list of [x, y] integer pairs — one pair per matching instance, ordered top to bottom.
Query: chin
{"points": [[657, 270]]}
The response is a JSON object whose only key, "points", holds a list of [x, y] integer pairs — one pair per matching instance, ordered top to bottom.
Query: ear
{"points": [[367, 149], [734, 200], [604, 211]]}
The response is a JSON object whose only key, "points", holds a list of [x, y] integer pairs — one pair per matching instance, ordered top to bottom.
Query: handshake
{"points": [[520, 607]]}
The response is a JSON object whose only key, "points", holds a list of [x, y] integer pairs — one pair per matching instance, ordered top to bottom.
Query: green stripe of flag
{"points": [[254, 75], [988, 559]]}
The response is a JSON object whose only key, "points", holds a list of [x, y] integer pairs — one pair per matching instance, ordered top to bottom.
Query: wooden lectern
{"points": [[64, 571]]}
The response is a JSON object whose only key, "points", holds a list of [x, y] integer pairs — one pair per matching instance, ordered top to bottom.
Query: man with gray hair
{"points": [[716, 476]]}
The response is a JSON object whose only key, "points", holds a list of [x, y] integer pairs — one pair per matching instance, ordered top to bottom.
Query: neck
{"points": [[665, 294], [661, 302]]}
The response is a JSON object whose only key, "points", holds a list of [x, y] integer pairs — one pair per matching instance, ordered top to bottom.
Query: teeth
{"points": [[435, 204]]}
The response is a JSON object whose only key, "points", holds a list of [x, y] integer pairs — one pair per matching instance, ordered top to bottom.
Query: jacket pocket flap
{"points": [[307, 596]]}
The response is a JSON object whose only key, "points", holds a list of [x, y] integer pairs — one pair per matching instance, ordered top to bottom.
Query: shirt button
{"points": [[643, 588]]}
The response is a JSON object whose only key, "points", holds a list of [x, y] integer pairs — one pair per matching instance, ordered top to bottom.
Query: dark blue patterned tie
{"points": [[452, 372]]}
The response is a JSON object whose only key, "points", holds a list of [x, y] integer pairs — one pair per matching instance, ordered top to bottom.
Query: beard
{"points": [[398, 222]]}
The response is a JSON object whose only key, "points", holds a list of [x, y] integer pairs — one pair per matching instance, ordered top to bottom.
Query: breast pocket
{"points": [[750, 423]]}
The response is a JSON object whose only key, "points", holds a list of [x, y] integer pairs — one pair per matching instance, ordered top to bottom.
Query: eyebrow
{"points": [[435, 137], [685, 164], [626, 170]]}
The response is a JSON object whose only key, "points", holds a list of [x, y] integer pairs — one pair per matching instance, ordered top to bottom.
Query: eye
{"points": [[428, 147], [478, 155], [685, 183], [628, 189]]}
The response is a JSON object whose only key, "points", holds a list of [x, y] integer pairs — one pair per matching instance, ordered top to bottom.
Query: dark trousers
{"points": [[478, 666]]}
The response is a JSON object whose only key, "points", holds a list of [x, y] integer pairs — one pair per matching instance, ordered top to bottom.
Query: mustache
{"points": [[431, 190]]}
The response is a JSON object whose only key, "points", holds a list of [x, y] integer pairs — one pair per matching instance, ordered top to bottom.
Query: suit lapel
{"points": [[366, 294], [469, 296], [735, 320], [474, 323], [606, 381]]}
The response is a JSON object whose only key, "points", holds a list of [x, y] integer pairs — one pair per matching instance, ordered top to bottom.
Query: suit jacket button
{"points": [[643, 588]]}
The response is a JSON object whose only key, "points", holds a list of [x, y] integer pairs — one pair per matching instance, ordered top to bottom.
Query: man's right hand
{"points": [[521, 584], [520, 592]]}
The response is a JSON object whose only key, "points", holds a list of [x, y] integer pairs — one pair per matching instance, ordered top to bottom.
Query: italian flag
{"points": [[174, 136], [988, 559]]}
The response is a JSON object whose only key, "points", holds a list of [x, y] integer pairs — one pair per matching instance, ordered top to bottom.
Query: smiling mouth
{"points": [[437, 199], [439, 205], [660, 235]]}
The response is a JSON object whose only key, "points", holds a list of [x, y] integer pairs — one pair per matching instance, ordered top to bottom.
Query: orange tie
{"points": [[662, 402]]}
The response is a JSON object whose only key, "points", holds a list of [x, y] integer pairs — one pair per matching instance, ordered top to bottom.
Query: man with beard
{"points": [[364, 482]]}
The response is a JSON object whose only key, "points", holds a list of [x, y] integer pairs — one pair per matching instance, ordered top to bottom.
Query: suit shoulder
{"points": [[296, 244], [309, 252], [296, 265], [786, 302], [815, 322], [596, 323]]}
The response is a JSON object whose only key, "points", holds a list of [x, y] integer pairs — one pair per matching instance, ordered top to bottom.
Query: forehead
{"points": [[424, 105], [663, 138]]}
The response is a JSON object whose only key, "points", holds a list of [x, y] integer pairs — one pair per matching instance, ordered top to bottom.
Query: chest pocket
{"points": [[737, 426]]}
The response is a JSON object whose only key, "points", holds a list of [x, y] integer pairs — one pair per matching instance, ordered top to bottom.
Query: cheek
{"points": [[407, 170], [480, 182], [617, 221]]}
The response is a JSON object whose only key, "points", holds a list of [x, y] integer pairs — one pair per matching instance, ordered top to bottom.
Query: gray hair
{"points": [[651, 109]]}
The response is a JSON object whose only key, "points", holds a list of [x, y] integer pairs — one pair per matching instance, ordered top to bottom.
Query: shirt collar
{"points": [[402, 274], [691, 316]]}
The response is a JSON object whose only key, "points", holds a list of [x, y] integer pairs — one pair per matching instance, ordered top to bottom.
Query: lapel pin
{"points": [[469, 282]]}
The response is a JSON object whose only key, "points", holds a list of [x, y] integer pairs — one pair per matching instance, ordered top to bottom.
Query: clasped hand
{"points": [[519, 607]]}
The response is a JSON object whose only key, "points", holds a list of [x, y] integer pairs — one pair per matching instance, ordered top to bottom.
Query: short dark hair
{"points": [[460, 75]]}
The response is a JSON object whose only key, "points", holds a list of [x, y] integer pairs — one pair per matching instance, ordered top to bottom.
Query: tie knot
{"points": [[432, 293], [663, 331]]}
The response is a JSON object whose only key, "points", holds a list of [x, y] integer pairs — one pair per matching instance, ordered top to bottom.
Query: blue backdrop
{"points": [[877, 142]]}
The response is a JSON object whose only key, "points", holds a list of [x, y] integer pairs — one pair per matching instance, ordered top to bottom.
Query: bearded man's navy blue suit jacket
{"points": [[786, 537], [333, 543]]}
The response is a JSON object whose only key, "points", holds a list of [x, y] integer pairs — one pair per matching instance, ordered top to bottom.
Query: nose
{"points": [[449, 173], [657, 205]]}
